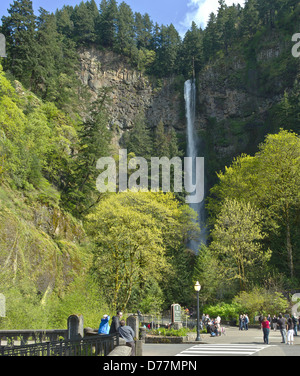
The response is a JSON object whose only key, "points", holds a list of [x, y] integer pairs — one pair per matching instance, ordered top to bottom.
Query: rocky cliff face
{"points": [[231, 89], [132, 92], [235, 95]]}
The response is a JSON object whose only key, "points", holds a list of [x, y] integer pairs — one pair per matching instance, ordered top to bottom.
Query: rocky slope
{"points": [[39, 243]]}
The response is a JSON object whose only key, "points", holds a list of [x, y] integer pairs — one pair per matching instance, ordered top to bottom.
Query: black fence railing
{"points": [[10, 338], [100, 345]]}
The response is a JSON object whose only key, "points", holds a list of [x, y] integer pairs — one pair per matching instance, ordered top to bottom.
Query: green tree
{"points": [[268, 10], [85, 18], [250, 19], [107, 23], [65, 25], [228, 27], [20, 30], [125, 30], [143, 30], [211, 38], [167, 51], [191, 51], [48, 54], [68, 85], [286, 114], [12, 133], [138, 140], [94, 142], [161, 144], [173, 144], [57, 164], [279, 177], [270, 181], [137, 237], [236, 240], [130, 247], [207, 270], [260, 301]]}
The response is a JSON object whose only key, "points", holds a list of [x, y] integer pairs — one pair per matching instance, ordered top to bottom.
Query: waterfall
{"points": [[193, 145]]}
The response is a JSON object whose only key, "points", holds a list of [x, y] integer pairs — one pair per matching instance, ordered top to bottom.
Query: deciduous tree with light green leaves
{"points": [[271, 181], [134, 233], [236, 240], [261, 301]]}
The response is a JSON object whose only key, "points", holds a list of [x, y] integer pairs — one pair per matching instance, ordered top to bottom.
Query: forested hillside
{"points": [[67, 248]]}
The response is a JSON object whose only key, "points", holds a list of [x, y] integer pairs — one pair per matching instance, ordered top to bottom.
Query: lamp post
{"points": [[197, 288]]}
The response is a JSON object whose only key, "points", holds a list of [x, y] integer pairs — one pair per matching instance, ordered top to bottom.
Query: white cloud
{"points": [[200, 11]]}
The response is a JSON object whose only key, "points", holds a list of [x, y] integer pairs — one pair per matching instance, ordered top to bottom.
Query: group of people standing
{"points": [[243, 322], [118, 326], [213, 326], [288, 327]]}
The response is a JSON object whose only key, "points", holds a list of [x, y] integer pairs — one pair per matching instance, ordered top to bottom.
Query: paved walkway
{"points": [[234, 335], [244, 336], [252, 339]]}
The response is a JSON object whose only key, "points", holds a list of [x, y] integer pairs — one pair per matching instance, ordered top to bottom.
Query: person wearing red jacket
{"points": [[265, 324]]}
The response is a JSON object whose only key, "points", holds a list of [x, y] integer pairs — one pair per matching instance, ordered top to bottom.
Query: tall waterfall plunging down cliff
{"points": [[193, 144]]}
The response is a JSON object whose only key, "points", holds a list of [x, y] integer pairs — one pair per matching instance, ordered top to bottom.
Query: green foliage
{"points": [[85, 18], [107, 22], [20, 30], [125, 30], [158, 49], [191, 52], [40, 57], [286, 115], [36, 139], [138, 140], [48, 162], [270, 181], [80, 194], [136, 234], [236, 240], [207, 270], [84, 297], [149, 300], [260, 301], [254, 302], [26, 310], [23, 311], [227, 311], [170, 332]]}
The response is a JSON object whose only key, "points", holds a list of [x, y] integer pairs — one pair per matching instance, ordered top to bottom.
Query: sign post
{"points": [[176, 316]]}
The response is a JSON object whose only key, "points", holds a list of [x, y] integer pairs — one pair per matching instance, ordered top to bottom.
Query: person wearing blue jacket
{"points": [[104, 325]]}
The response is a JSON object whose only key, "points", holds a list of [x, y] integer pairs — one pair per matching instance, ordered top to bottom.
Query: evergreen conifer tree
{"points": [[107, 23], [20, 31], [94, 142]]}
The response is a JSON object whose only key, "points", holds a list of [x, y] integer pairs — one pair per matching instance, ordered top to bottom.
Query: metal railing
{"points": [[23, 337], [100, 345]]}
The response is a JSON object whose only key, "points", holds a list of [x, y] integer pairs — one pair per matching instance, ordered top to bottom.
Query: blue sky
{"points": [[179, 12]]}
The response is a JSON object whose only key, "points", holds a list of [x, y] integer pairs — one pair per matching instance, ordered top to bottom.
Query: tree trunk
{"points": [[289, 249]]}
